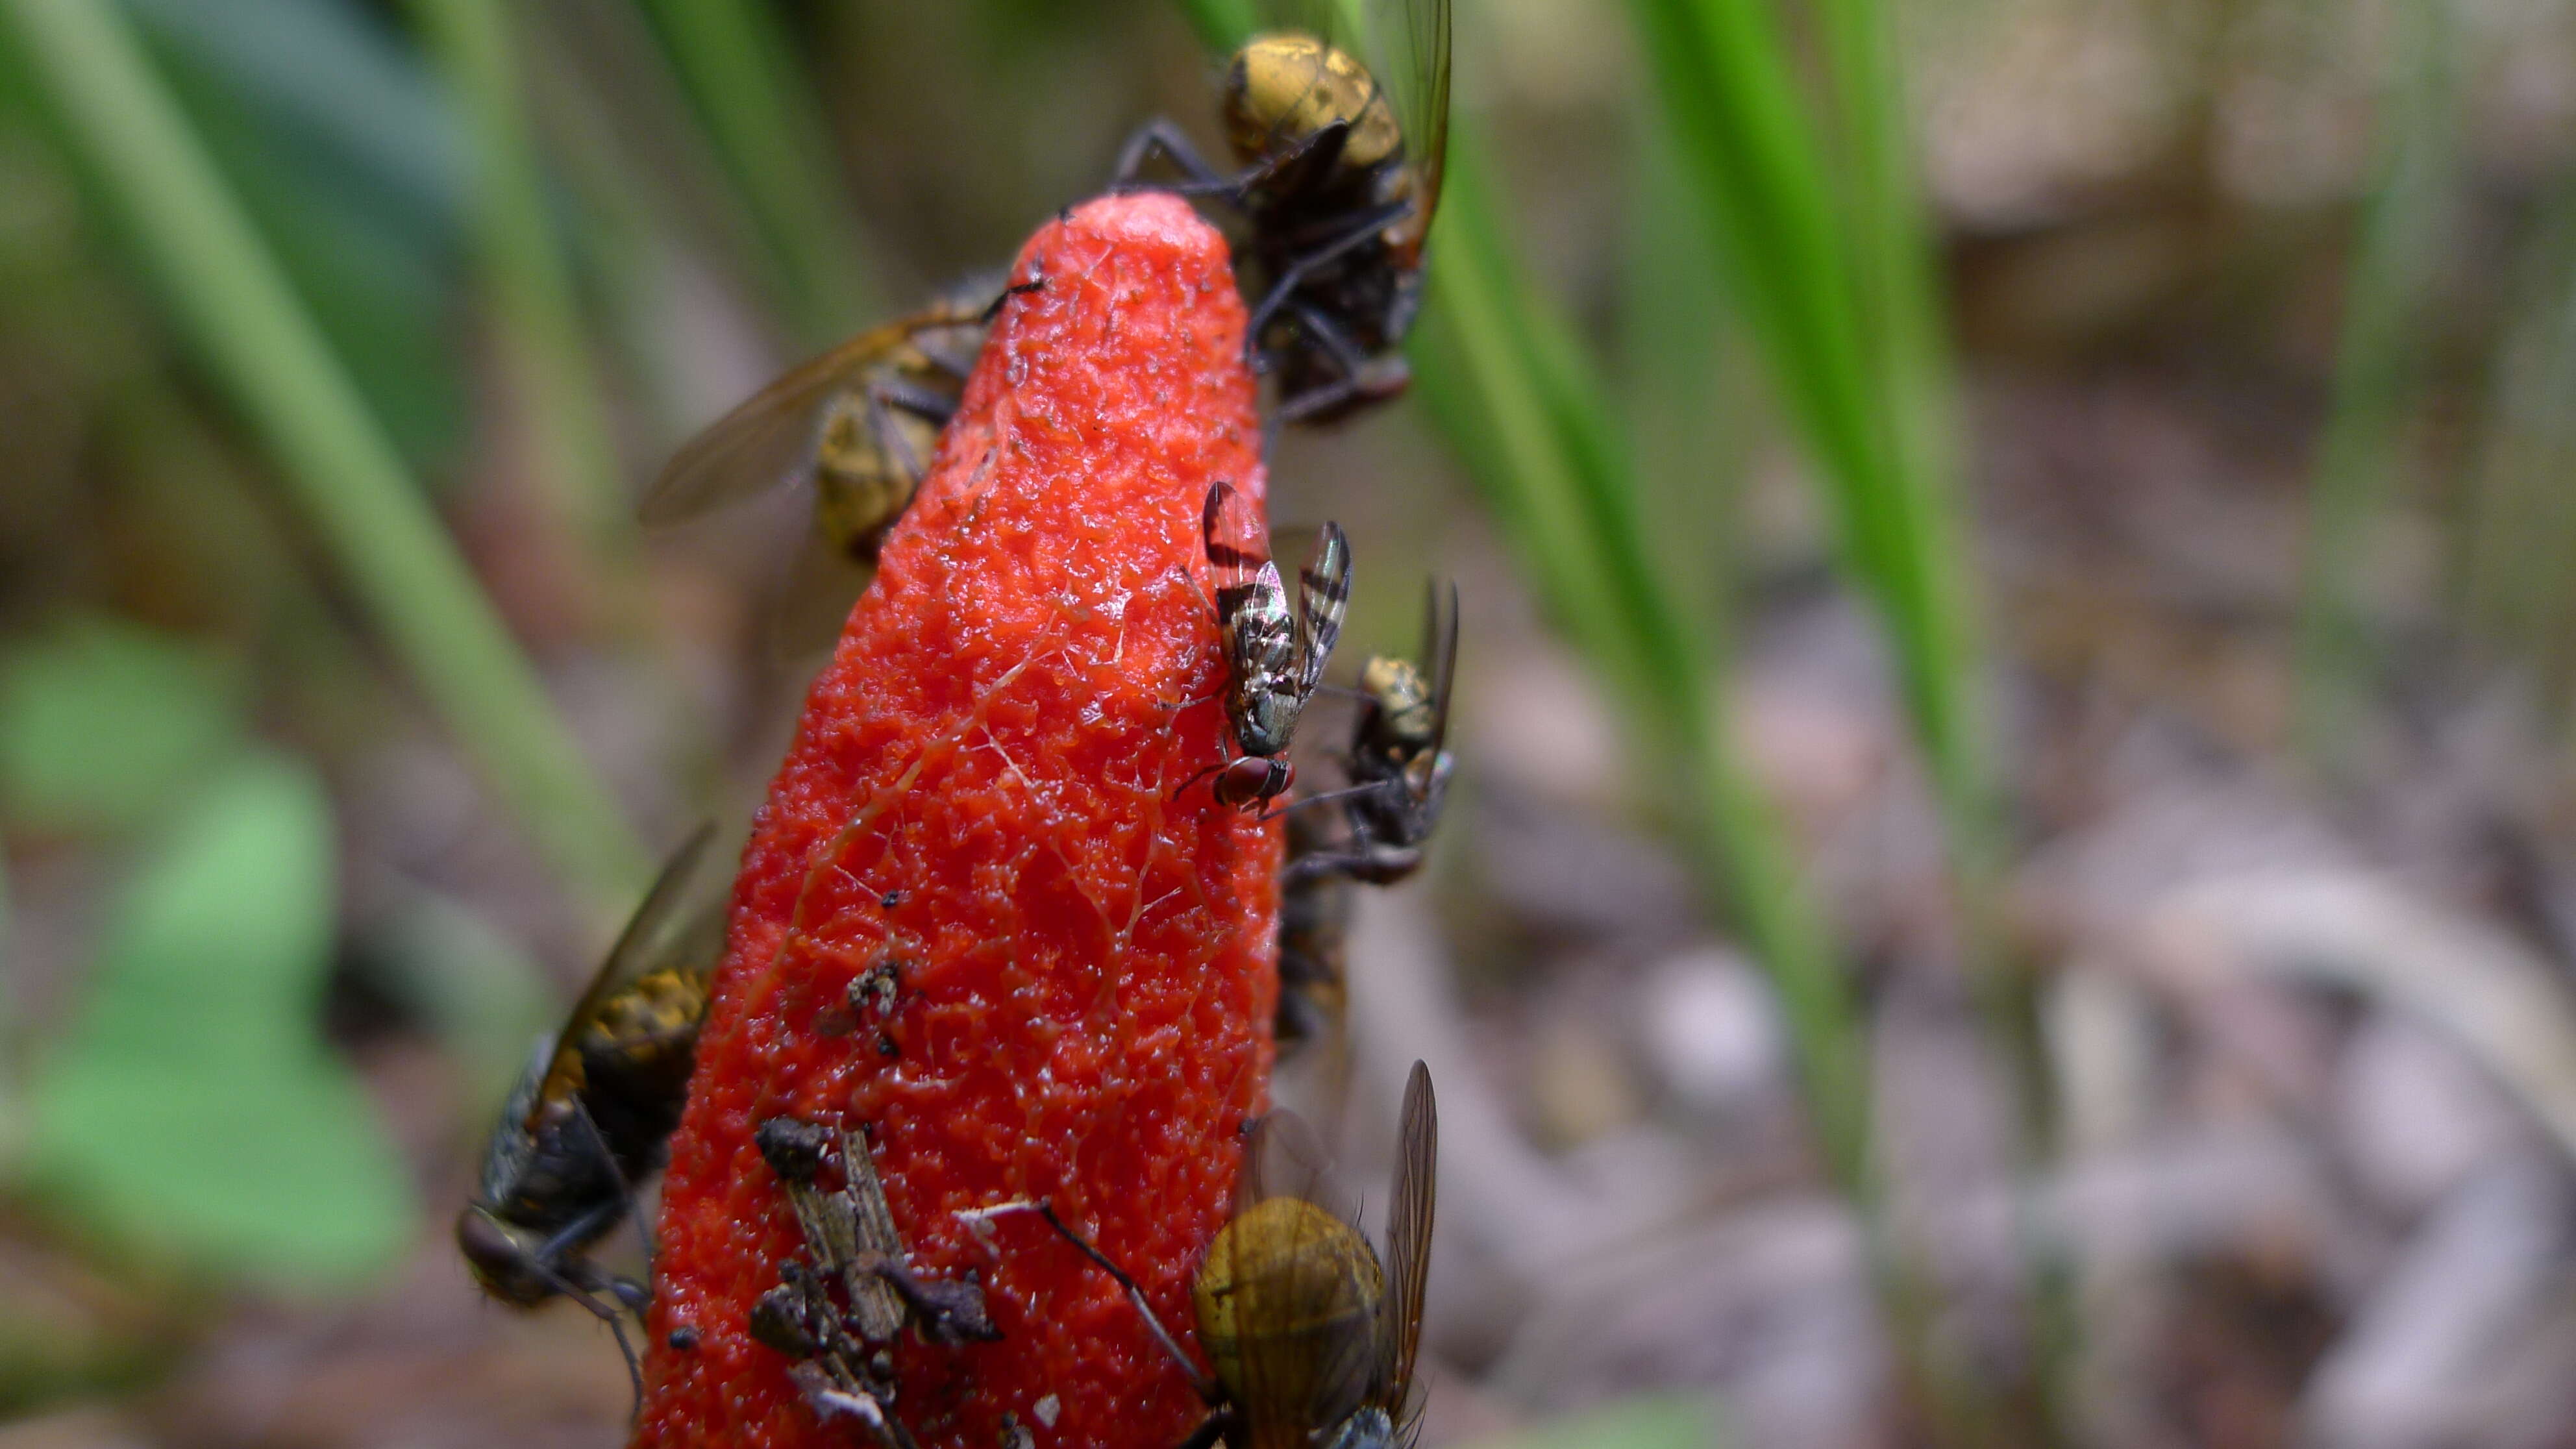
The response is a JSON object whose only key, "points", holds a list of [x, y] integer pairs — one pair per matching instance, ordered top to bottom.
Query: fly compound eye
{"points": [[1253, 780], [496, 1258]]}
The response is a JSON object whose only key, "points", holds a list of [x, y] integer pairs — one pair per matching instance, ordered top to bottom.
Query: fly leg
{"points": [[1160, 138], [1317, 154], [1288, 172], [1293, 276], [993, 309], [944, 354], [1361, 375], [886, 396], [1367, 861], [1380, 865], [582, 1288], [635, 1296], [1206, 1388], [1214, 1428]]}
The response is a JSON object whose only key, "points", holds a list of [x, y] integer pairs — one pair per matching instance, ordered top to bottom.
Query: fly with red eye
{"points": [[1274, 659]]}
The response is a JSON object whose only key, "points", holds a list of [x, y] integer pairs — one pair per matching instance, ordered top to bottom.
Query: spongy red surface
{"points": [[982, 789]]}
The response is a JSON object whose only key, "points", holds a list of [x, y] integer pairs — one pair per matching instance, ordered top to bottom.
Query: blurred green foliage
{"points": [[349, 162], [232, 293], [104, 725], [190, 1110]]}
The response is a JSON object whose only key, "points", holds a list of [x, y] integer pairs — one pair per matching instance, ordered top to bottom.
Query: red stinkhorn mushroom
{"points": [[982, 797]]}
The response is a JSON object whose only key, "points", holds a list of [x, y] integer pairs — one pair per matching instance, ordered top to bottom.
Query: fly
{"points": [[1339, 183], [857, 425], [1274, 660], [1399, 762], [1314, 916], [591, 1116], [1313, 1341]]}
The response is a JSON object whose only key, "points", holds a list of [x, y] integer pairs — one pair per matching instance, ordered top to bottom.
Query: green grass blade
{"points": [[1222, 24], [772, 134], [336, 141], [1828, 247], [530, 287], [1836, 290], [236, 307], [1507, 382], [1684, 391], [2358, 456], [2515, 591], [13, 1120], [1658, 1422]]}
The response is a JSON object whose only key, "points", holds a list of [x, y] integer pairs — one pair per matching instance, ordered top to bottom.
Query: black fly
{"points": [[592, 1114]]}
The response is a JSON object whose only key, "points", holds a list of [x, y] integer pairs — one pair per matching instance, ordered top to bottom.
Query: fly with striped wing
{"points": [[1274, 659]]}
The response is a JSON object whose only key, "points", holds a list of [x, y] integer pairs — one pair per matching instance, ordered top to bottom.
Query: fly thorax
{"points": [[1282, 89], [1399, 185], [1260, 643], [1401, 700], [1268, 718]]}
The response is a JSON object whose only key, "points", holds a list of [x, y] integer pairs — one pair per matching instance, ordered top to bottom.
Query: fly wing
{"points": [[1409, 55], [766, 440], [1231, 529], [1323, 597], [810, 609], [1440, 638], [647, 944], [1282, 1157], [1408, 1236], [1308, 1358]]}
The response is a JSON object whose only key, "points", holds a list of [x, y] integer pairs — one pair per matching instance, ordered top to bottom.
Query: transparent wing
{"points": [[1405, 45], [1409, 56], [766, 441], [1231, 528], [1323, 598], [807, 615], [1440, 638], [643, 947], [1282, 1157], [1408, 1234], [1305, 1293]]}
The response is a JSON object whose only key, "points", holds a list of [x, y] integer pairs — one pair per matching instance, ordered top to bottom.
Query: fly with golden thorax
{"points": [[1340, 182], [856, 426], [1399, 762], [591, 1116], [1313, 1340]]}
